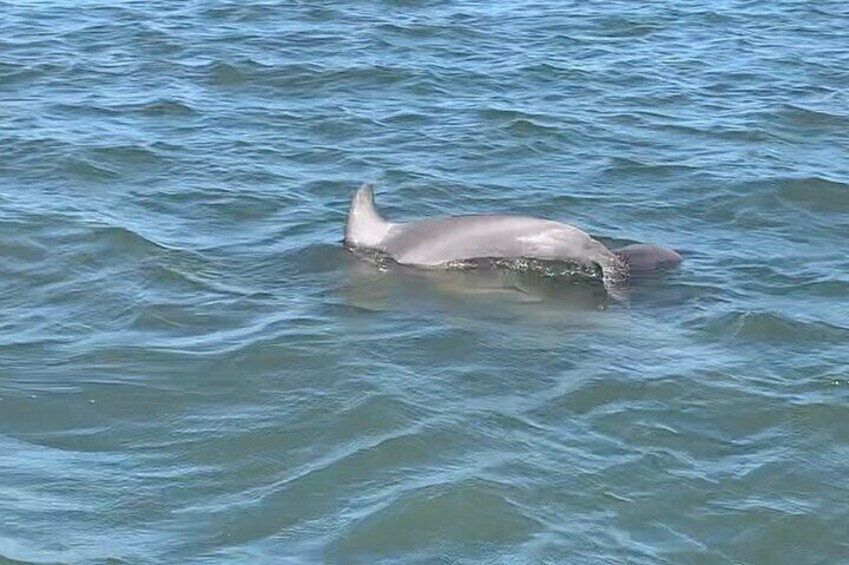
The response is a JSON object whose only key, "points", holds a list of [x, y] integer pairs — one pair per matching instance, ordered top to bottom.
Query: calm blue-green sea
{"points": [[193, 370]]}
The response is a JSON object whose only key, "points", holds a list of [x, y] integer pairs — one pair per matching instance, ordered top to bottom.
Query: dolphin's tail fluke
{"points": [[365, 228]]}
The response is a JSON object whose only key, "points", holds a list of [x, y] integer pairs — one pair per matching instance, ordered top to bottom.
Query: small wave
{"points": [[250, 13], [626, 28], [413, 30], [549, 68], [19, 73], [227, 74], [306, 75], [373, 75], [163, 107], [507, 115], [809, 117], [405, 118], [521, 123], [527, 126], [35, 151], [130, 154], [630, 165], [86, 170], [818, 194], [239, 207], [117, 239], [121, 246], [22, 249], [169, 275], [826, 288], [772, 327], [335, 467], [479, 513], [11, 544]]}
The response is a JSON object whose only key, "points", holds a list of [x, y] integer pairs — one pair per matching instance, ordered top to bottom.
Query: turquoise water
{"points": [[193, 370]]}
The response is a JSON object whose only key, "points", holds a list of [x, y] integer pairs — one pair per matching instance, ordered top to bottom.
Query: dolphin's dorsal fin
{"points": [[365, 227]]}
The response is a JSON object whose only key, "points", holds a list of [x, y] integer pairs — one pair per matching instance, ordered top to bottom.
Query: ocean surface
{"points": [[193, 370]]}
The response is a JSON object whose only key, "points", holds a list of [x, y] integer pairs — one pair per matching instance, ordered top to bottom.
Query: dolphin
{"points": [[443, 243]]}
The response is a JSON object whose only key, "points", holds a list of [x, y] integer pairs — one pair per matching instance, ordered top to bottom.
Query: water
{"points": [[193, 370]]}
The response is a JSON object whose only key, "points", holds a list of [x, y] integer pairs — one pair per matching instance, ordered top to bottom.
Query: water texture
{"points": [[193, 370]]}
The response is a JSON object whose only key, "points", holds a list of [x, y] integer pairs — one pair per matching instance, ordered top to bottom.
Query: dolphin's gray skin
{"points": [[441, 242], [645, 257]]}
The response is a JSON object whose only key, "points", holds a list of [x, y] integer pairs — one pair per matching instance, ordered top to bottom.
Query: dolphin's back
{"points": [[435, 242], [438, 242]]}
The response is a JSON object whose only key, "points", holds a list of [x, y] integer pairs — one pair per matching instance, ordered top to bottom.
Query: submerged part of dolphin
{"points": [[443, 243], [646, 257]]}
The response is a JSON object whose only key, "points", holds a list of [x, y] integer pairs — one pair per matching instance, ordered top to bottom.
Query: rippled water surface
{"points": [[193, 370]]}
